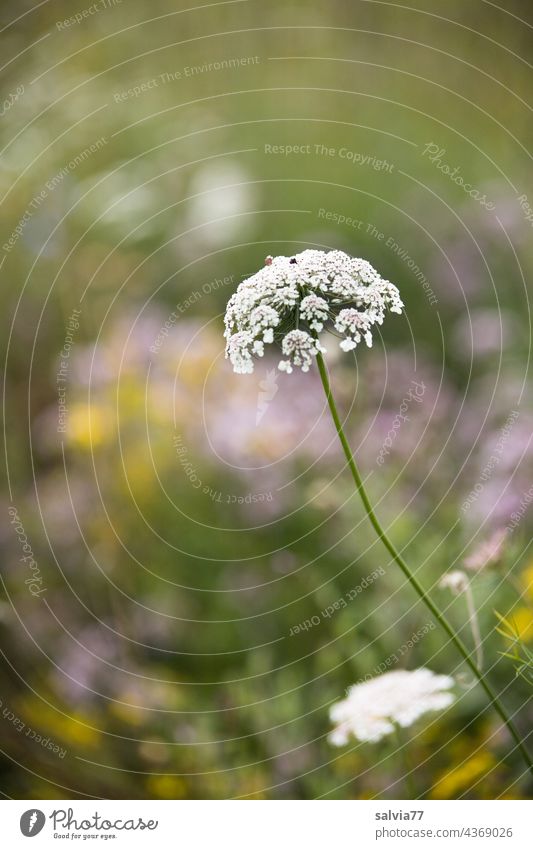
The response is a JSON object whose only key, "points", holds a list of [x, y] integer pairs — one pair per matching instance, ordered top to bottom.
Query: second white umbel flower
{"points": [[292, 299], [373, 708]]}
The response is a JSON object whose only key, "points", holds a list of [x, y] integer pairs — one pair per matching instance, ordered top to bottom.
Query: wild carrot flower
{"points": [[292, 299], [373, 708]]}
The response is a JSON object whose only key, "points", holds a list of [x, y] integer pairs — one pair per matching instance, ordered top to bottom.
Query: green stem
{"points": [[396, 556], [474, 624], [401, 748]]}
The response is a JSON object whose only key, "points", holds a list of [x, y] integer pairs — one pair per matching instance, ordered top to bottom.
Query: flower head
{"points": [[292, 299], [455, 581], [372, 708]]}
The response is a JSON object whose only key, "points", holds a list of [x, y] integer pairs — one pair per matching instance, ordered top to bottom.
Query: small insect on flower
{"points": [[292, 299], [373, 708]]}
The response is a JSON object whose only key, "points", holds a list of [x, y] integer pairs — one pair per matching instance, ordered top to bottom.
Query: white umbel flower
{"points": [[299, 295], [373, 708]]}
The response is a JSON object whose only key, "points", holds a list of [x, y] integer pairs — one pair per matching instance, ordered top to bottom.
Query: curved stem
{"points": [[396, 556], [474, 624]]}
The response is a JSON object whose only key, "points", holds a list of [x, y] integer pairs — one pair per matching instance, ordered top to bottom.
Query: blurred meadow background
{"points": [[188, 578]]}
